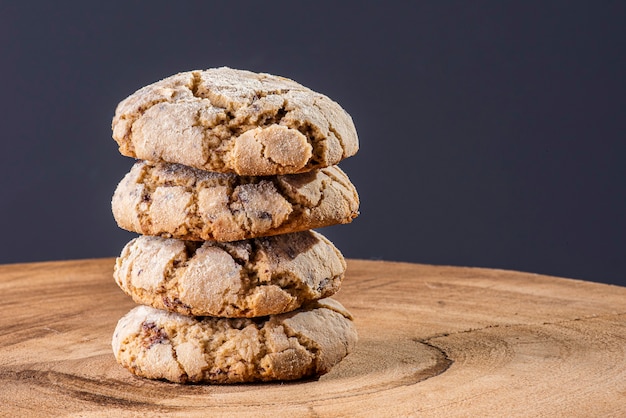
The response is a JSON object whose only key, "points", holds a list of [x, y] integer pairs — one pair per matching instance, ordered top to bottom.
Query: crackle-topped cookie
{"points": [[234, 121], [176, 201], [250, 278], [162, 345]]}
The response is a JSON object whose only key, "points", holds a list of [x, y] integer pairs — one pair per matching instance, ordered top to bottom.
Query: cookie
{"points": [[234, 121], [176, 201], [256, 277], [304, 343]]}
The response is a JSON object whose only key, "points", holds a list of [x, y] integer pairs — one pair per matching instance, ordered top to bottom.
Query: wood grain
{"points": [[434, 341]]}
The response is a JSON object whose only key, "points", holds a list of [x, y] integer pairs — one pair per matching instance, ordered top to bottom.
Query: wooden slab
{"points": [[434, 341]]}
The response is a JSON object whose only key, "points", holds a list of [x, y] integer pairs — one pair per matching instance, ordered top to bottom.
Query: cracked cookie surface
{"points": [[234, 121], [176, 201], [250, 278], [162, 345]]}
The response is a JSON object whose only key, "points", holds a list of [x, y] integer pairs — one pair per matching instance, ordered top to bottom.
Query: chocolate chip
{"points": [[153, 334]]}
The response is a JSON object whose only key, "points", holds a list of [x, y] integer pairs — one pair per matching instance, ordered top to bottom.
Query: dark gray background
{"points": [[492, 133]]}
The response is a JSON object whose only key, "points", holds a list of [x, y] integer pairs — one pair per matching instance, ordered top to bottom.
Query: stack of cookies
{"points": [[234, 171]]}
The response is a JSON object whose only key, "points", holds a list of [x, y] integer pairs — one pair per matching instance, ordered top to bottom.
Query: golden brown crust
{"points": [[234, 121], [176, 201], [251, 278], [161, 345]]}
